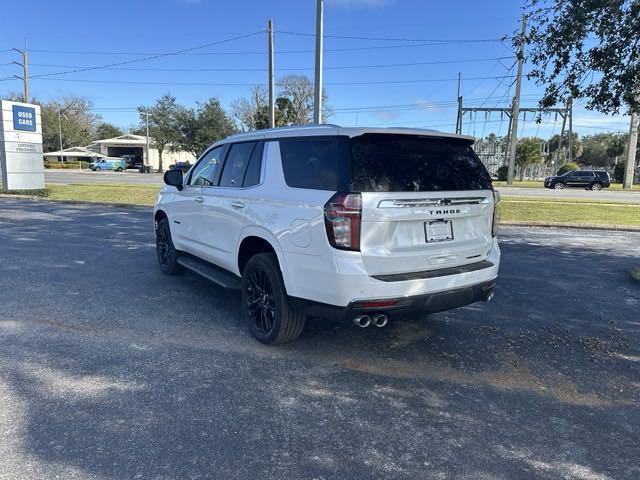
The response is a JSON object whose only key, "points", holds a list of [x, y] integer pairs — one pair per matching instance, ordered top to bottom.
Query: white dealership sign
{"points": [[21, 160]]}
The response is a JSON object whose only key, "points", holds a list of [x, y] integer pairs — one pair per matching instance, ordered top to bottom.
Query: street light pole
{"points": [[317, 104], [60, 132], [145, 161]]}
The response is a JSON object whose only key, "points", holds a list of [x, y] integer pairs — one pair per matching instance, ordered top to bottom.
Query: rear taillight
{"points": [[496, 213], [342, 216]]}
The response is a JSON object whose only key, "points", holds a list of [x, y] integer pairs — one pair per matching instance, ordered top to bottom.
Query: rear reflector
{"points": [[377, 303]]}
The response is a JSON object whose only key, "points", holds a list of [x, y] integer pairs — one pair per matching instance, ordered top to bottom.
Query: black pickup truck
{"points": [[587, 179]]}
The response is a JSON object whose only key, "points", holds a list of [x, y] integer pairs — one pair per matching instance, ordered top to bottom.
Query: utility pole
{"points": [[25, 71], [317, 104], [272, 107], [516, 107], [459, 119], [564, 124], [570, 140], [632, 145], [145, 160]]}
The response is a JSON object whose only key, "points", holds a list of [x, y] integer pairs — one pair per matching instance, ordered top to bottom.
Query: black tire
{"points": [[97, 169], [119, 169], [558, 186], [596, 186], [166, 252], [265, 302]]}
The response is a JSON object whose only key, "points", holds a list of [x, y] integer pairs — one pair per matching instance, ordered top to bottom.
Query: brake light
{"points": [[496, 213], [342, 218]]}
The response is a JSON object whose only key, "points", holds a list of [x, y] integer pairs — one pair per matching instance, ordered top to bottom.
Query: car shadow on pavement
{"points": [[112, 370]]}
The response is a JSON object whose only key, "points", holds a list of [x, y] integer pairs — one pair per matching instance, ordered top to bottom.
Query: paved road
{"points": [[69, 177], [111, 370]]}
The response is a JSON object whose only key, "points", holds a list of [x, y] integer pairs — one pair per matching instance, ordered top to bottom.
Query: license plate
{"points": [[438, 231]]}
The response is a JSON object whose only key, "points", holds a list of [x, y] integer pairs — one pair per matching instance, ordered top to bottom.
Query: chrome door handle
{"points": [[199, 199], [237, 204]]}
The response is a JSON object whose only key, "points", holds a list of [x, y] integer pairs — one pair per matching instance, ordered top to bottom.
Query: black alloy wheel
{"points": [[167, 254], [266, 304], [261, 307]]}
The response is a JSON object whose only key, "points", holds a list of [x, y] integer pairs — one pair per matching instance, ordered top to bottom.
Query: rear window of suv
{"points": [[382, 163], [407, 163]]}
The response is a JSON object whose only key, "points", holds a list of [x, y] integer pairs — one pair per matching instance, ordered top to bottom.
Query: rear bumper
{"points": [[341, 279], [426, 303]]}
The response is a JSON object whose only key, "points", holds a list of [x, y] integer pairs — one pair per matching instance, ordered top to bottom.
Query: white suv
{"points": [[325, 221]]}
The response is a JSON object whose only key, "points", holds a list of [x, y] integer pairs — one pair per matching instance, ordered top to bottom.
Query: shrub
{"points": [[62, 165], [568, 167], [502, 173]]}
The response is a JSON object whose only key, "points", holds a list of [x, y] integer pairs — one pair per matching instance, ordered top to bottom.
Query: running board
{"points": [[217, 275]]}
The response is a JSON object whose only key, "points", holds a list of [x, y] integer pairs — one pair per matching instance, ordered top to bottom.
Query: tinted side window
{"points": [[310, 162], [407, 163], [236, 164], [207, 171], [252, 177]]}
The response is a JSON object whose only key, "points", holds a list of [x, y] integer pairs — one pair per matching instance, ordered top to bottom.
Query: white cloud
{"points": [[427, 105], [386, 115]]}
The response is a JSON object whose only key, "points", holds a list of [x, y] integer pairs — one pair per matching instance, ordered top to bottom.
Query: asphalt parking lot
{"points": [[109, 369]]}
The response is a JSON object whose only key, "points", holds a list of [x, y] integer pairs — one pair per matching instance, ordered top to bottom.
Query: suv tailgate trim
{"points": [[440, 272]]}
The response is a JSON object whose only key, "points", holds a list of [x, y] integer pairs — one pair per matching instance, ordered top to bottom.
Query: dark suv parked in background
{"points": [[588, 179]]}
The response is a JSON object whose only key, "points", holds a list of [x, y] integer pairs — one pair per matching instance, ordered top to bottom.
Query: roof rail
{"points": [[288, 127]]}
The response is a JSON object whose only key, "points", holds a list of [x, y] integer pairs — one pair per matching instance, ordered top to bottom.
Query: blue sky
{"points": [[422, 94]]}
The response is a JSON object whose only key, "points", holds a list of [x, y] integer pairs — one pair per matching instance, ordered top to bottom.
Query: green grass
{"points": [[539, 184], [128, 194], [131, 194], [568, 200], [579, 213]]}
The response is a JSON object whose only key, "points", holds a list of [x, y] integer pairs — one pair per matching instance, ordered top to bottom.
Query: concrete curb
{"points": [[580, 226]]}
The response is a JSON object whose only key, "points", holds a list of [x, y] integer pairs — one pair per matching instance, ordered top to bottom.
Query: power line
{"points": [[439, 41], [241, 52], [152, 57], [341, 67], [134, 82]]}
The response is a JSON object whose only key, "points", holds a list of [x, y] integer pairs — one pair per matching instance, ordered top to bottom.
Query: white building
{"points": [[130, 144], [72, 154]]}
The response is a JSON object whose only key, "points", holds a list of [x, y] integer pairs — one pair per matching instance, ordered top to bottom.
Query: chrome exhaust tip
{"points": [[489, 296], [380, 320], [362, 321]]}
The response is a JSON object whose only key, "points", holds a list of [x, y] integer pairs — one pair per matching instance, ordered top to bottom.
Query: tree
{"points": [[586, 49], [299, 91], [293, 105], [252, 113], [77, 122], [204, 125], [164, 129], [106, 130], [554, 143], [602, 149], [527, 153], [568, 167]]}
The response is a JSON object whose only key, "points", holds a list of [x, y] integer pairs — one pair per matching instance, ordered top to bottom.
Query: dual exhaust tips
{"points": [[377, 319]]}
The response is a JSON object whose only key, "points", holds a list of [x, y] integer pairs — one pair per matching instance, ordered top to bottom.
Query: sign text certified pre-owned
{"points": [[24, 118]]}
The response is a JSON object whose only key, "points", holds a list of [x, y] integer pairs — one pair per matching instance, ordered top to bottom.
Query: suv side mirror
{"points": [[173, 178]]}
